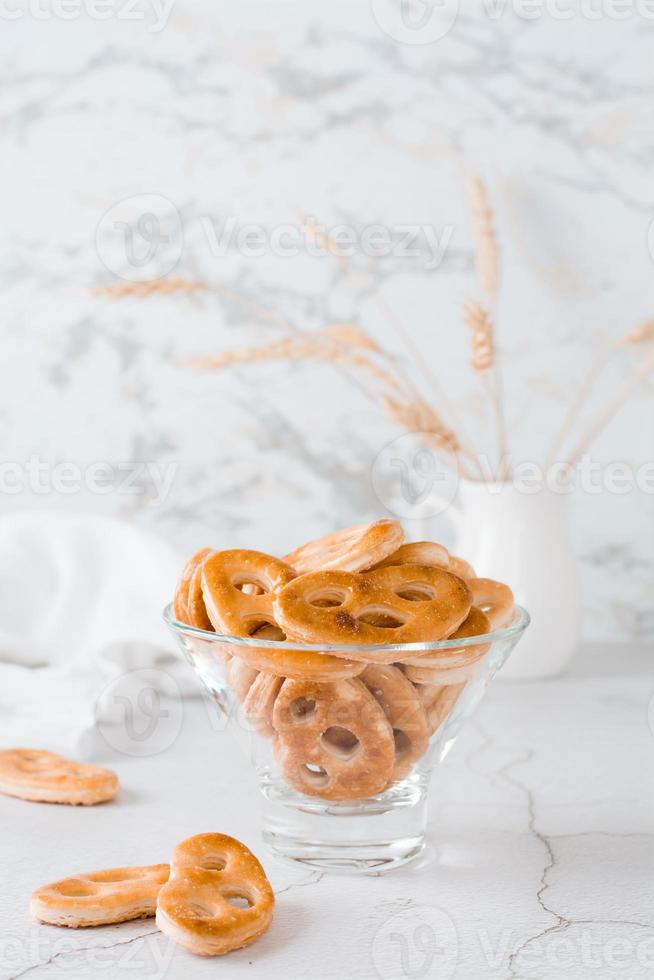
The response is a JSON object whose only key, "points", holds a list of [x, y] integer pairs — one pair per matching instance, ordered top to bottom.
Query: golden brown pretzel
{"points": [[351, 550], [418, 553], [429, 553], [462, 568], [495, 599], [400, 604], [188, 606], [231, 610], [286, 662], [446, 666], [240, 677], [260, 701], [439, 702], [400, 703], [333, 740], [34, 774], [218, 897], [98, 898]]}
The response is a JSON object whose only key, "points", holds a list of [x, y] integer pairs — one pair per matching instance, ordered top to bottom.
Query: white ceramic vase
{"points": [[523, 539]]}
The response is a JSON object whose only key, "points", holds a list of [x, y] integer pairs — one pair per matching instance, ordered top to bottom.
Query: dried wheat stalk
{"points": [[487, 264], [158, 287], [346, 333], [642, 334], [294, 350], [611, 408], [420, 417]]}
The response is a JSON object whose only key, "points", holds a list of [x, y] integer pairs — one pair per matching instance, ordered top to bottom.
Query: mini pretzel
{"points": [[351, 550], [418, 553], [429, 553], [462, 568], [495, 599], [188, 604], [400, 604], [231, 610], [286, 662], [445, 666], [240, 677], [260, 701], [438, 702], [400, 703], [333, 740], [34, 774], [218, 897], [99, 898]]}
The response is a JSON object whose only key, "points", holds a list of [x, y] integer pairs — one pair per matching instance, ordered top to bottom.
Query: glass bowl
{"points": [[344, 739]]}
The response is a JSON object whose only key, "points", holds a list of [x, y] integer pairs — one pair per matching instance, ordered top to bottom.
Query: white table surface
{"points": [[540, 863]]}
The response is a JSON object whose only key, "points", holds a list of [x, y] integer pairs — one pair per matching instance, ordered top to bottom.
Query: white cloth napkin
{"points": [[81, 598]]}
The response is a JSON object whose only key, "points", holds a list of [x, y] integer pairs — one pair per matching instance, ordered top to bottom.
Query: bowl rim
{"points": [[517, 627]]}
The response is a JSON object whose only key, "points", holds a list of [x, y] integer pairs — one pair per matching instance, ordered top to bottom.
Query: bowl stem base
{"points": [[361, 837]]}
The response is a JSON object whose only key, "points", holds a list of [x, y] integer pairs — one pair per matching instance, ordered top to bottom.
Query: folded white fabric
{"points": [[80, 614]]}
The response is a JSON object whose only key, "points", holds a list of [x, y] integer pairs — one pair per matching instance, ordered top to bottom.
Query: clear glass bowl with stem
{"points": [[345, 739]]}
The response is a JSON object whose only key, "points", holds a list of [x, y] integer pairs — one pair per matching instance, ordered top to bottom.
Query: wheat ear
{"points": [[481, 337]]}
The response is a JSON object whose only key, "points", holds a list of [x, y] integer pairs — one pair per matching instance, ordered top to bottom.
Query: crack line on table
{"points": [[315, 877], [563, 922], [33, 967]]}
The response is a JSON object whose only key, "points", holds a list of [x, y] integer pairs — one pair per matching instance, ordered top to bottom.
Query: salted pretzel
{"points": [[351, 550], [418, 553], [429, 553], [462, 568], [495, 599], [188, 604], [399, 604], [231, 610], [235, 612], [287, 662], [448, 666], [240, 677], [260, 701], [438, 702], [400, 703], [333, 740], [44, 777], [218, 897], [99, 898]]}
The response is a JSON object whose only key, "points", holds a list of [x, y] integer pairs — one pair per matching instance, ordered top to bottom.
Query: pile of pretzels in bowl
{"points": [[349, 720]]}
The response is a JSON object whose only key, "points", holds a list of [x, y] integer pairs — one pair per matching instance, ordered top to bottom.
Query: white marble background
{"points": [[261, 112]]}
